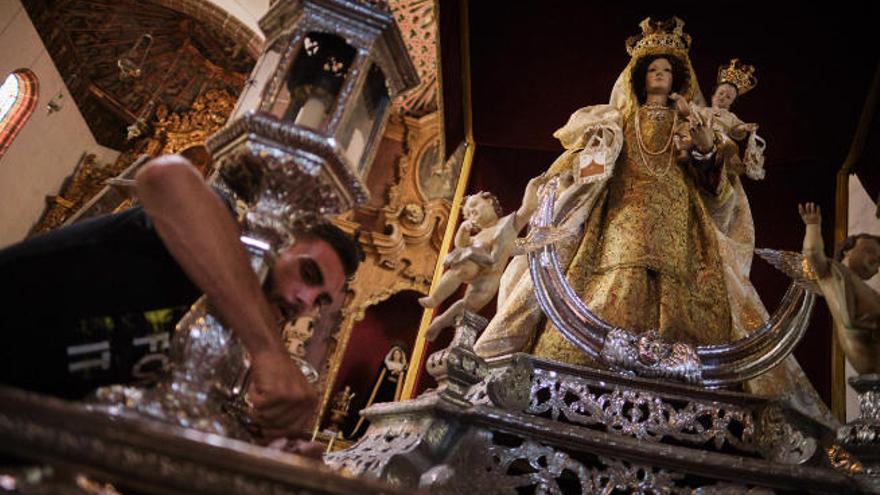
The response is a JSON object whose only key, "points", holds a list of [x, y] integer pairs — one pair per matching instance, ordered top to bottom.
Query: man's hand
{"points": [[810, 213], [281, 398]]}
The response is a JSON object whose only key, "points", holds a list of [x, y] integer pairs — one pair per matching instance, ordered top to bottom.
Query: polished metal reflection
{"points": [[624, 350], [208, 363], [642, 414], [591, 431], [861, 436]]}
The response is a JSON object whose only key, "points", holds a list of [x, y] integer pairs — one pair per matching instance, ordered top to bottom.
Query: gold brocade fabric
{"points": [[648, 256]]}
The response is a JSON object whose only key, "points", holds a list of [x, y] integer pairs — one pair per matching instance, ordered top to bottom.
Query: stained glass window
{"points": [[18, 97]]}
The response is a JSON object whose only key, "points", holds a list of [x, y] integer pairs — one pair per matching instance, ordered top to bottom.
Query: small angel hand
{"points": [[810, 213], [470, 227]]}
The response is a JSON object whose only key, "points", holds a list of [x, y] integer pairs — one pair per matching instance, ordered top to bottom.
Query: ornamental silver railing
{"points": [[645, 353]]}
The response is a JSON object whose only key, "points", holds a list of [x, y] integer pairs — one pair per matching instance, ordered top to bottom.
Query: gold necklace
{"points": [[665, 147], [652, 171]]}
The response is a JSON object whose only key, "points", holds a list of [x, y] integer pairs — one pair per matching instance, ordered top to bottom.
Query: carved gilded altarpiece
{"points": [[402, 228], [401, 239]]}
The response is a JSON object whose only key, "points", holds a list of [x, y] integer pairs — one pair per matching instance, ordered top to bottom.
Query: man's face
{"points": [[307, 275]]}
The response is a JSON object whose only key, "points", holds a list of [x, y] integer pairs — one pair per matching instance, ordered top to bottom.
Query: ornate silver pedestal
{"points": [[458, 367], [560, 429], [861, 437]]}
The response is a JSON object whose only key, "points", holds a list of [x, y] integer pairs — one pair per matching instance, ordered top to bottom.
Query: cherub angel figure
{"points": [[484, 243], [854, 305]]}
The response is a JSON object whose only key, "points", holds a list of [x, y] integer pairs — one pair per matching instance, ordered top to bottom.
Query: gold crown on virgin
{"points": [[659, 37], [740, 75]]}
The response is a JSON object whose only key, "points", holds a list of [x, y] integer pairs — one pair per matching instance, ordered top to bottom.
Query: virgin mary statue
{"points": [[664, 231]]}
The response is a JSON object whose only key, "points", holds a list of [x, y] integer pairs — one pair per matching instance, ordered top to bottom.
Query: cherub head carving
{"points": [[483, 209]]}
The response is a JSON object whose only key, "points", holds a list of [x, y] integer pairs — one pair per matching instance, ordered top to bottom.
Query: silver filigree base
{"points": [[563, 429], [861, 437]]}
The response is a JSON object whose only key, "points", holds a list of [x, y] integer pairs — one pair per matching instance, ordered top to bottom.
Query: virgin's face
{"points": [[658, 77], [724, 96]]}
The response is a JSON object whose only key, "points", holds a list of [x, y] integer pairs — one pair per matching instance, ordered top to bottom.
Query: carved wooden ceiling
{"points": [[415, 18], [86, 39]]}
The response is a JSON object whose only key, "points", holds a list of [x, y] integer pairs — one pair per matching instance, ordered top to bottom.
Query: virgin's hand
{"points": [[745, 128], [702, 135], [535, 183], [811, 214], [281, 398]]}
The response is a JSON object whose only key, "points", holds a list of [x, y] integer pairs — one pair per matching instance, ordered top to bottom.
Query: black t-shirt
{"points": [[89, 304]]}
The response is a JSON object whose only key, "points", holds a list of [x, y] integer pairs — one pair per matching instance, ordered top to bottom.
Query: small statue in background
{"points": [[484, 243], [854, 305], [395, 363], [388, 386], [342, 400], [340, 406]]}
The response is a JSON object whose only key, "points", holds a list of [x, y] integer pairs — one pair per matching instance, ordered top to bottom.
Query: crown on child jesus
{"points": [[740, 75]]}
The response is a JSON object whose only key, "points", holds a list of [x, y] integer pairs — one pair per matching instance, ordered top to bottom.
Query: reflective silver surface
{"points": [[207, 364], [591, 431], [861, 437]]}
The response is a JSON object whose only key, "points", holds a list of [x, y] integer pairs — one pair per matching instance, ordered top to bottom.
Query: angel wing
{"points": [[793, 264]]}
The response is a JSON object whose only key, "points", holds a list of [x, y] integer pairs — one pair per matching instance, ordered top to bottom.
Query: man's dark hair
{"points": [[640, 69], [850, 243], [346, 248]]}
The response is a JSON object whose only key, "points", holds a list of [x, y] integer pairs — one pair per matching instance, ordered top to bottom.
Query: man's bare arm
{"points": [[201, 235]]}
